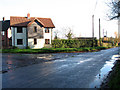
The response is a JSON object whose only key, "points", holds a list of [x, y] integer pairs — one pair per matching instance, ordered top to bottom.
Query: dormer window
{"points": [[35, 29], [19, 30], [46, 30]]}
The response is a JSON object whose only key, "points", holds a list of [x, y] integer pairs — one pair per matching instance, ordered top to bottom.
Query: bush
{"points": [[73, 43], [14, 47], [28, 47]]}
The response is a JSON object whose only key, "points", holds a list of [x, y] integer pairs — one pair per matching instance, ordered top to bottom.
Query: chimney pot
{"points": [[28, 15]]}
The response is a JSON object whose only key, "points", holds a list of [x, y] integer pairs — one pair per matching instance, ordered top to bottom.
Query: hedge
{"points": [[63, 43]]}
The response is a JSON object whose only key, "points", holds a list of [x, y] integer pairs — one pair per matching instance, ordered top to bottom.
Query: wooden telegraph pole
{"points": [[92, 26], [93, 30], [99, 33]]}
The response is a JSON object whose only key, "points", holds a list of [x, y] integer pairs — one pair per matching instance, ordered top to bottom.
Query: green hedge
{"points": [[63, 43]]}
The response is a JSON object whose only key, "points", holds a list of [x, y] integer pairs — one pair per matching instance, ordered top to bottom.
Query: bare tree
{"points": [[114, 9], [69, 33], [56, 34]]}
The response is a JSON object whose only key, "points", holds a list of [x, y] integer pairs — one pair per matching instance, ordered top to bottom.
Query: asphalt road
{"points": [[72, 70]]}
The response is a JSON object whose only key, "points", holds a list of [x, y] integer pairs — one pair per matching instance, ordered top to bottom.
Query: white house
{"points": [[29, 31]]}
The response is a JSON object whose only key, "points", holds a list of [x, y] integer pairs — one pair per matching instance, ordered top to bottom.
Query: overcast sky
{"points": [[76, 14]]}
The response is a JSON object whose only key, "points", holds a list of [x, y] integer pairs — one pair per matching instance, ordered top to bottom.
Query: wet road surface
{"points": [[61, 70]]}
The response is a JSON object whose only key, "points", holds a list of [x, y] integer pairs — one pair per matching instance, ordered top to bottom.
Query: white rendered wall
{"points": [[9, 33], [47, 35], [40, 43]]}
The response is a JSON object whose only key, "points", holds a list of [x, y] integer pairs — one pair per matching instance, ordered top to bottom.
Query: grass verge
{"points": [[53, 50], [113, 79]]}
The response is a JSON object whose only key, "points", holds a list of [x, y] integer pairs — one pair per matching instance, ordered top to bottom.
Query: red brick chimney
{"points": [[28, 15], [3, 18]]}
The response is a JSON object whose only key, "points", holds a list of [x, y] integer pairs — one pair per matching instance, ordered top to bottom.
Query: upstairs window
{"points": [[35, 29], [19, 30], [46, 30], [19, 41], [35, 41], [47, 41]]}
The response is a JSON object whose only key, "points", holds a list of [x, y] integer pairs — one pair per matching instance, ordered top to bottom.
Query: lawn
{"points": [[53, 50]]}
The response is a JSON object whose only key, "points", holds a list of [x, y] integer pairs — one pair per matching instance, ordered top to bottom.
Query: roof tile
{"points": [[23, 21]]}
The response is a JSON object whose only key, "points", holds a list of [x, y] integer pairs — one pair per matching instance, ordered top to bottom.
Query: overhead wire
{"points": [[95, 6]]}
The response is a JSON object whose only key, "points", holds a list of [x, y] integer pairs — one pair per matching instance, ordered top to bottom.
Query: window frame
{"points": [[35, 29], [19, 30], [47, 30], [3, 33], [47, 41], [19, 42]]}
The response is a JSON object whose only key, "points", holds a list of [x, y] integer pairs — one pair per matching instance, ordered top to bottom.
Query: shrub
{"points": [[73, 43], [14, 47], [28, 47]]}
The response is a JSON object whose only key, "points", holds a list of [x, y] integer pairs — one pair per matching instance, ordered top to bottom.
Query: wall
{"points": [[9, 33], [32, 34], [40, 35], [48, 35], [16, 36], [40, 43]]}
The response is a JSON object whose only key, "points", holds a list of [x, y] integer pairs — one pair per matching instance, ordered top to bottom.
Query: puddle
{"points": [[13, 61], [103, 72]]}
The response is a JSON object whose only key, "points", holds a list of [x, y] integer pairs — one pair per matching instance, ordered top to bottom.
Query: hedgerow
{"points": [[63, 43]]}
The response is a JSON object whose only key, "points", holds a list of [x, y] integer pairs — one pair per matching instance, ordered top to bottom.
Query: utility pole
{"points": [[92, 26], [93, 30], [99, 33], [106, 33]]}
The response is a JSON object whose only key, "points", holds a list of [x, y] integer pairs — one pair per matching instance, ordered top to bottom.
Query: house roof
{"points": [[24, 21], [5, 25]]}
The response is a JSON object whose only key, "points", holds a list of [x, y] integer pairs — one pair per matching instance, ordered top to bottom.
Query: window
{"points": [[19, 29], [35, 29], [46, 30], [3, 33], [19, 41], [35, 41], [47, 41]]}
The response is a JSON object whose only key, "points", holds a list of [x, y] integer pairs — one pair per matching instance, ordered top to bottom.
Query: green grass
{"points": [[53, 50], [114, 81]]}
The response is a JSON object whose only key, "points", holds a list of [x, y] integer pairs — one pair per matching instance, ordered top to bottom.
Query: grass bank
{"points": [[54, 50], [113, 80]]}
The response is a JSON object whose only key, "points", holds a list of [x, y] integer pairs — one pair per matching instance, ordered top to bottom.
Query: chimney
{"points": [[28, 15], [3, 18]]}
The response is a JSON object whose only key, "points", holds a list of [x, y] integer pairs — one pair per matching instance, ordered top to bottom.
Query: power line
{"points": [[95, 5]]}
